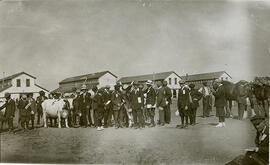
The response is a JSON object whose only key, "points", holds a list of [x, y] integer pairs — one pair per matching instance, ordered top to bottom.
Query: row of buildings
{"points": [[23, 83]]}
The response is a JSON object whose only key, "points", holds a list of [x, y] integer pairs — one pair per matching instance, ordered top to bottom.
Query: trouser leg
{"points": [[134, 113], [151, 114], [167, 114], [106, 115], [194, 115], [115, 116], [161, 116], [100, 117], [140, 117], [84, 120], [10, 123]]}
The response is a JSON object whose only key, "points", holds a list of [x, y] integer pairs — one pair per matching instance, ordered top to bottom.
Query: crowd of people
{"points": [[131, 105]]}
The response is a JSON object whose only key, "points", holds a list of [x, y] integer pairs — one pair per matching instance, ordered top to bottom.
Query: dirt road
{"points": [[200, 144]]}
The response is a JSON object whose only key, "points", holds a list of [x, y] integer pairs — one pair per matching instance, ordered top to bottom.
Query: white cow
{"points": [[55, 108]]}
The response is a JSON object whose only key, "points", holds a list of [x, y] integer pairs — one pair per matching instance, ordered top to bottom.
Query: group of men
{"points": [[131, 105]]}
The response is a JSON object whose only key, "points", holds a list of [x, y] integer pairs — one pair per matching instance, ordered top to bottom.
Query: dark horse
{"points": [[261, 89], [232, 91]]}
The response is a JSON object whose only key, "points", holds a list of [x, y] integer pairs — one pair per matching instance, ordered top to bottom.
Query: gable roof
{"points": [[16, 75], [88, 76], [204, 76], [153, 77], [2, 88]]}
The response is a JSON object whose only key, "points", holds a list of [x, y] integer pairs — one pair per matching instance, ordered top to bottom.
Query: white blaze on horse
{"points": [[55, 109]]}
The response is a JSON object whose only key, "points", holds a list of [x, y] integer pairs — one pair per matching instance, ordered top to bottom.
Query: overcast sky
{"points": [[53, 40]]}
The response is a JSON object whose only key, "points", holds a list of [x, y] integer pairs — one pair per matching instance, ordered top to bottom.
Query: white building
{"points": [[171, 77], [99, 79], [198, 79], [20, 83]]}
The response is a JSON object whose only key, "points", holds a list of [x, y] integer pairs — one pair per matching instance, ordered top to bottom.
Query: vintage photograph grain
{"points": [[154, 82]]}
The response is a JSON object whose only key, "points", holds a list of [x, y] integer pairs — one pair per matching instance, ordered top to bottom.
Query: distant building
{"points": [[171, 77], [99, 79], [198, 79], [20, 83]]}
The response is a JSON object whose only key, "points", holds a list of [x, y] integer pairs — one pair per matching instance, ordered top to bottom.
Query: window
{"points": [[170, 81], [175, 81], [27, 82], [18, 83]]}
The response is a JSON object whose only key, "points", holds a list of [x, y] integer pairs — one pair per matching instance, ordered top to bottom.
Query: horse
{"points": [[261, 90], [232, 92], [55, 109]]}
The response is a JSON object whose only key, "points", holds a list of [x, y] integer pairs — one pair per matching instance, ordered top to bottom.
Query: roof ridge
{"points": [[148, 74]]}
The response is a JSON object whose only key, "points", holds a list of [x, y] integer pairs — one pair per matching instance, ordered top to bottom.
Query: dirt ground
{"points": [[199, 144]]}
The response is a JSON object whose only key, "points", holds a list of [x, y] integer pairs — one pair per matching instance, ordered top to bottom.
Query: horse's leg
{"points": [[44, 119], [59, 119], [66, 120]]}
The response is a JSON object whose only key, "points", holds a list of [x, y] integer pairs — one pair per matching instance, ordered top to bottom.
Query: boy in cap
{"points": [[150, 102], [10, 110]]}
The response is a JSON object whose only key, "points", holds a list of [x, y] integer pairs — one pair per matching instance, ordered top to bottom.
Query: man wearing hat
{"points": [[168, 96], [195, 98], [39, 101], [150, 102], [161, 102], [220, 102], [117, 103], [183, 103], [84, 105], [137, 105], [107, 106], [207, 106], [24, 107], [33, 107], [98, 107], [10, 110], [76, 110]]}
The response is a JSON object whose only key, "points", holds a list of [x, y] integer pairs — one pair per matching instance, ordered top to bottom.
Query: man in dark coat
{"points": [[168, 96], [195, 97], [107, 98], [39, 101], [150, 102], [161, 102], [220, 102], [117, 103], [183, 103], [137, 104], [84, 105], [24, 107], [33, 107], [98, 107], [10, 110], [76, 110]]}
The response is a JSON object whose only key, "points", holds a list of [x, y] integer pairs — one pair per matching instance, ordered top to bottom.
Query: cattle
{"points": [[56, 109]]}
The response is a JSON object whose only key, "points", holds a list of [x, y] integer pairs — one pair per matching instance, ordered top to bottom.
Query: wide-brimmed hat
{"points": [[149, 82], [182, 82], [192, 85], [83, 87], [78, 91], [7, 94], [24, 96]]}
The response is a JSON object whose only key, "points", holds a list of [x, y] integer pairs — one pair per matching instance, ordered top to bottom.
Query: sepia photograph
{"points": [[147, 82]]}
